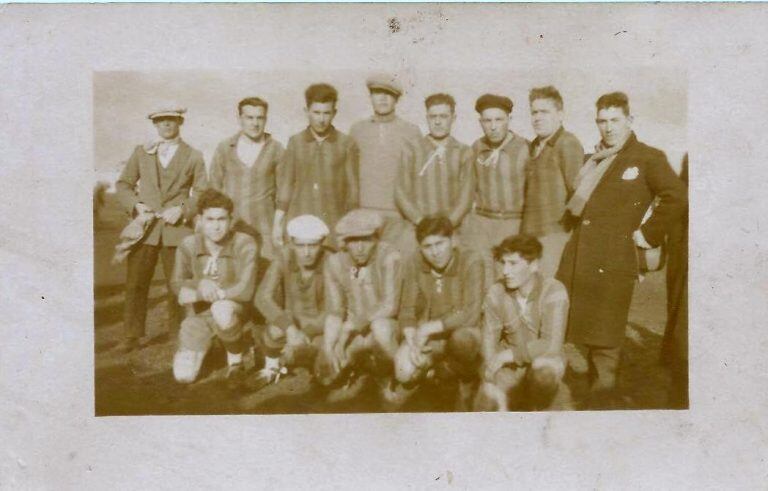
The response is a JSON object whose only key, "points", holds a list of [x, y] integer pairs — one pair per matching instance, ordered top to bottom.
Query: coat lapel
{"points": [[176, 165], [149, 170]]}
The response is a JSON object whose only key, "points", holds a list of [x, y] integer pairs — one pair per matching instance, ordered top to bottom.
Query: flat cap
{"points": [[385, 81], [492, 100], [168, 109], [358, 223], [308, 228]]}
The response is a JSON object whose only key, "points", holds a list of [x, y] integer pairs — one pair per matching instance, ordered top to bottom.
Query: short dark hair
{"points": [[548, 92], [321, 93], [440, 98], [614, 99], [252, 101], [211, 198], [434, 225], [527, 246]]}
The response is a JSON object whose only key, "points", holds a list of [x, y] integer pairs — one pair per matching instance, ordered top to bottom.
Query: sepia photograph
{"points": [[313, 242], [383, 246]]}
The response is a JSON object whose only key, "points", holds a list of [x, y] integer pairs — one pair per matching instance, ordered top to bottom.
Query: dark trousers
{"points": [[141, 268]]}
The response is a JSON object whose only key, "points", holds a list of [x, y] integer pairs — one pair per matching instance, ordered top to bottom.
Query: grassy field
{"points": [[142, 383]]}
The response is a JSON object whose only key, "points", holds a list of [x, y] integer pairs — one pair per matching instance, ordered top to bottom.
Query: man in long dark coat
{"points": [[613, 191]]}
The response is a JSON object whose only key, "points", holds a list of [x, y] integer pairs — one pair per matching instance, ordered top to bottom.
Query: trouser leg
{"points": [[168, 258], [141, 267], [227, 316], [195, 335], [463, 353], [603, 367]]}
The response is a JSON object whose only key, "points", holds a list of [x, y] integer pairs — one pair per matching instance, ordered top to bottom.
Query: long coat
{"points": [[161, 188], [599, 266]]}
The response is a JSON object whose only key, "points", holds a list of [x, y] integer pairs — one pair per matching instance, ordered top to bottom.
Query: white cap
{"points": [[307, 227]]}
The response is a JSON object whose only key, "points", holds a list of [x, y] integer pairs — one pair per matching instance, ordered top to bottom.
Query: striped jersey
{"points": [[434, 180], [500, 184]]}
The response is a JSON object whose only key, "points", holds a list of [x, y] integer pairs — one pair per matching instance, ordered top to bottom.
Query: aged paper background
{"points": [[50, 438]]}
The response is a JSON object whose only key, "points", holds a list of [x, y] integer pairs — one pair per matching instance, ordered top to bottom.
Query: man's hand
{"points": [[142, 209], [171, 215], [208, 290], [187, 295], [427, 330], [409, 334], [295, 336], [499, 360]]}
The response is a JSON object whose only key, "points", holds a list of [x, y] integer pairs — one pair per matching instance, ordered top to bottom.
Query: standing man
{"points": [[381, 139], [500, 157], [555, 159], [321, 163], [247, 167], [166, 170], [436, 174], [613, 191], [214, 277], [362, 292], [291, 297], [440, 309], [524, 322]]}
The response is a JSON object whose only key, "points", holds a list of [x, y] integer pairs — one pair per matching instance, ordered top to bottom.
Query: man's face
{"points": [[383, 102], [320, 115], [546, 118], [440, 119], [253, 121], [495, 123], [614, 125], [167, 127], [216, 223], [361, 249], [437, 251], [307, 252], [517, 271]]}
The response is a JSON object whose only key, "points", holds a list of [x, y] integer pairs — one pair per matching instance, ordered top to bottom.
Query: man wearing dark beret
{"points": [[499, 159]]}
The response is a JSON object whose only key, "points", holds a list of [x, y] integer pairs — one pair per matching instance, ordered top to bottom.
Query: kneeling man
{"points": [[214, 277], [362, 289], [291, 298], [440, 309], [525, 317]]}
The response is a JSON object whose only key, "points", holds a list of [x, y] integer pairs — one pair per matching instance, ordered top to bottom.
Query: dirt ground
{"points": [[142, 382]]}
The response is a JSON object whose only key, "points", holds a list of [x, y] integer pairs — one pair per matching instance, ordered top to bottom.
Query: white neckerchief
{"points": [[164, 149], [248, 150], [437, 155], [493, 158], [211, 268]]}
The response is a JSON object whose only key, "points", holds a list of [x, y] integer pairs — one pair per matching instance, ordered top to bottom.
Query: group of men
{"points": [[401, 258]]}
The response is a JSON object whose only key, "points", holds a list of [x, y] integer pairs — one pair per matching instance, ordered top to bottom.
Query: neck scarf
{"points": [[153, 146], [437, 155], [493, 158], [590, 175]]}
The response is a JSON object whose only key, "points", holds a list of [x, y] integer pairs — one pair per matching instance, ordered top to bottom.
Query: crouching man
{"points": [[214, 277], [362, 289], [291, 298], [440, 310], [525, 317]]}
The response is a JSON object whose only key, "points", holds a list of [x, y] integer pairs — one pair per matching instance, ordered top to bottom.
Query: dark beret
{"points": [[491, 100]]}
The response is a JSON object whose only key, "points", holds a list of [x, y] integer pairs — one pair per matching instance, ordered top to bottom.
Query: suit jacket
{"points": [[161, 189], [600, 264]]}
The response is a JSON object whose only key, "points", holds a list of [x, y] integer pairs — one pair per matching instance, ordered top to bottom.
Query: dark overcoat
{"points": [[599, 266]]}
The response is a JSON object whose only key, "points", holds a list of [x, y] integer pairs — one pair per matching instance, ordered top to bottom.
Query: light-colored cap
{"points": [[385, 81], [168, 109], [359, 223], [308, 228]]}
